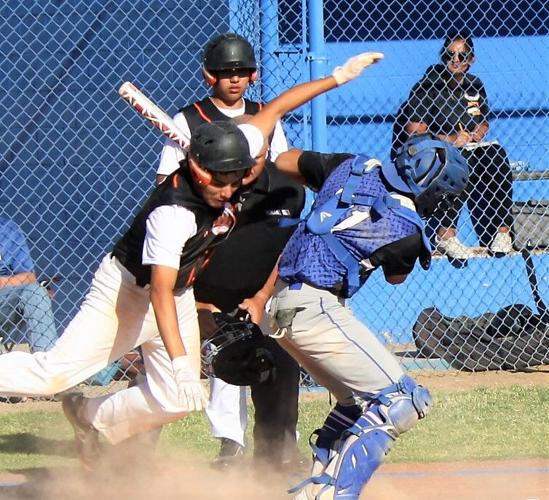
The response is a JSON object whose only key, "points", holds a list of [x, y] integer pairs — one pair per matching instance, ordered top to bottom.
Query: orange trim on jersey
{"points": [[203, 115], [176, 181], [191, 278]]}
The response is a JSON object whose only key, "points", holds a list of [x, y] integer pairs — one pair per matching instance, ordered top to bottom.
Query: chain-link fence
{"points": [[77, 162]]}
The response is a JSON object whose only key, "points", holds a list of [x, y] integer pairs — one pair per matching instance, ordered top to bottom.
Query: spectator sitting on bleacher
{"points": [[452, 104], [22, 300]]}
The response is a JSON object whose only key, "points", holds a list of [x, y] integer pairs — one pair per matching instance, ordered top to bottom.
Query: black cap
{"points": [[229, 51], [220, 147]]}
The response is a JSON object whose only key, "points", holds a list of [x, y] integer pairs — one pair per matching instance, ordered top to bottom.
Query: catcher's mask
{"points": [[433, 171], [237, 352]]}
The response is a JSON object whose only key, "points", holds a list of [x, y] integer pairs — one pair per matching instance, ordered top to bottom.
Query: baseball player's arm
{"points": [[273, 111], [288, 163], [309, 167], [168, 229], [163, 280], [256, 305]]}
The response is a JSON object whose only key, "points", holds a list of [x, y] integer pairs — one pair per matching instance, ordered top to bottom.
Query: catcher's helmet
{"points": [[229, 51], [220, 147], [430, 169], [237, 352]]}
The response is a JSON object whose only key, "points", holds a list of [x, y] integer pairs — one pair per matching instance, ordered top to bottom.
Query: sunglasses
{"points": [[462, 56]]}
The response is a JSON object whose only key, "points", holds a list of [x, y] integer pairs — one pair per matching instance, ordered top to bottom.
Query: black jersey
{"points": [[175, 190]]}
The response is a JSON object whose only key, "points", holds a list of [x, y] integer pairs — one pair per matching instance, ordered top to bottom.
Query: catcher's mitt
{"points": [[237, 352]]}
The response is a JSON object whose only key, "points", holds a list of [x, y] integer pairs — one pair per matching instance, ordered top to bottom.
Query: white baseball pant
{"points": [[116, 317], [336, 349], [227, 410]]}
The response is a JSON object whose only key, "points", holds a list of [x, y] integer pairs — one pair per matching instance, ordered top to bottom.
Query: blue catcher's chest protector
{"points": [[353, 215]]}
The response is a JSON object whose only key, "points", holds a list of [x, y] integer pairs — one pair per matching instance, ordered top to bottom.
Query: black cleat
{"points": [[85, 435], [229, 454]]}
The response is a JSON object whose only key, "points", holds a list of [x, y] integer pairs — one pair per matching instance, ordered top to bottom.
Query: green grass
{"points": [[472, 425]]}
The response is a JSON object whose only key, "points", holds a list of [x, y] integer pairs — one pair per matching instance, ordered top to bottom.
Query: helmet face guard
{"points": [[237, 352]]}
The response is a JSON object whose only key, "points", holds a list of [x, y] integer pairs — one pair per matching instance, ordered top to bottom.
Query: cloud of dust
{"points": [[135, 473]]}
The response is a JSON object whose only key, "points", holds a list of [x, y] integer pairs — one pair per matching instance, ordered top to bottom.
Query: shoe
{"points": [[502, 244], [454, 249], [86, 436], [230, 452]]}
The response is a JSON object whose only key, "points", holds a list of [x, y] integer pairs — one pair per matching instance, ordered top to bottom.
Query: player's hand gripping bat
{"points": [[158, 118]]}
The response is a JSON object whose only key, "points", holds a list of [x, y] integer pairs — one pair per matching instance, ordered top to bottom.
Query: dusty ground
{"points": [[185, 479], [502, 480]]}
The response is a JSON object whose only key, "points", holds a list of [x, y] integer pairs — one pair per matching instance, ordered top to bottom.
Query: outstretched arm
{"points": [[291, 99], [288, 162]]}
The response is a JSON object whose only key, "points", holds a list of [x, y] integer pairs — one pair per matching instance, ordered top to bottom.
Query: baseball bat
{"points": [[151, 112]]}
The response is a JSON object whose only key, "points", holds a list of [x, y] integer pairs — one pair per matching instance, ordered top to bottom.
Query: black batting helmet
{"points": [[229, 51], [220, 147], [237, 352]]}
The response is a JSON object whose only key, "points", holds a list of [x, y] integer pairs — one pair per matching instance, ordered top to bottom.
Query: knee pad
{"points": [[360, 449]]}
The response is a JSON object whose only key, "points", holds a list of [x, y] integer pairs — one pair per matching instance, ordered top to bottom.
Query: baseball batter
{"points": [[366, 215], [141, 294]]}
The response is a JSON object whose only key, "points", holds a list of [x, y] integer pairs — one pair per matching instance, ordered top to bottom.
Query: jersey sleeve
{"points": [[279, 144], [172, 153], [316, 167], [168, 229], [398, 257]]}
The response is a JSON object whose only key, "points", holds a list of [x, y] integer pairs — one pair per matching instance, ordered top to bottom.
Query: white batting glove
{"points": [[354, 66], [191, 393]]}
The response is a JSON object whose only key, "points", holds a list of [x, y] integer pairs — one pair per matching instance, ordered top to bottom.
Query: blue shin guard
{"points": [[350, 460]]}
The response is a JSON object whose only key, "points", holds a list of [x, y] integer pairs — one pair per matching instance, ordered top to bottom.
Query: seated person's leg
{"points": [[490, 207], [38, 316], [10, 318]]}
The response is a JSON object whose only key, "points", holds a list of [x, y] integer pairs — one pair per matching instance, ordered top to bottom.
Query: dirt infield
{"points": [[494, 480], [506, 480]]}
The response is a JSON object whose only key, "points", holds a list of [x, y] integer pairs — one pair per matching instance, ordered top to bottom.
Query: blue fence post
{"points": [[317, 67]]}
